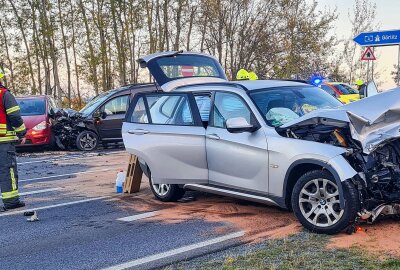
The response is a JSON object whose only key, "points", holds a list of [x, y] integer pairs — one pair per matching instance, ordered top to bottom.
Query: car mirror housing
{"points": [[97, 114], [239, 125]]}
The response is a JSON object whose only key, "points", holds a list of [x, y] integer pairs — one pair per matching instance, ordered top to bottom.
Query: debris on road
{"points": [[33, 216]]}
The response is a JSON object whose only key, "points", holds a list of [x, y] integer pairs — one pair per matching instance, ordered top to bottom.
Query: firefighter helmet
{"points": [[242, 75], [253, 76], [359, 82]]}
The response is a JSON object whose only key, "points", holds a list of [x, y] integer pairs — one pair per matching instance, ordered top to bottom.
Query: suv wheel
{"points": [[87, 140], [167, 192], [315, 202]]}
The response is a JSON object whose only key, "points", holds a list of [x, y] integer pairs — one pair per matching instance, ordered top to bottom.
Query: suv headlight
{"points": [[40, 126]]}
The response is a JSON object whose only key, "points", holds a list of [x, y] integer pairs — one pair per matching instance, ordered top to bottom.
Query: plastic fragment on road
{"points": [[33, 216]]}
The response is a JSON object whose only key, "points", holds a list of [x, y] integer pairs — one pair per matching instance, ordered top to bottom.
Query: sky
{"points": [[387, 17]]}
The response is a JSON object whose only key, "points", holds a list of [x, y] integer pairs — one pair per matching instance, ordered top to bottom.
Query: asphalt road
{"points": [[84, 224]]}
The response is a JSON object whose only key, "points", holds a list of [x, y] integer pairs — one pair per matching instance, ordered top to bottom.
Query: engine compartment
{"points": [[378, 179]]}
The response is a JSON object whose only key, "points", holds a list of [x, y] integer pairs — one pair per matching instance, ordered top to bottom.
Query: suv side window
{"points": [[203, 104], [116, 105], [228, 105], [163, 109], [139, 114]]}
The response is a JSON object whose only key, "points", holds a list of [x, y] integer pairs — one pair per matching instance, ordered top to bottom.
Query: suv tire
{"points": [[87, 140], [166, 192], [319, 209]]}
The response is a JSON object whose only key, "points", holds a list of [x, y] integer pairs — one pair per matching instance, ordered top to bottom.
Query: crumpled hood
{"points": [[372, 120]]}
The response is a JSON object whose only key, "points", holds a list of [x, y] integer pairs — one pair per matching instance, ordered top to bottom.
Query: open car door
{"points": [[173, 69], [165, 130]]}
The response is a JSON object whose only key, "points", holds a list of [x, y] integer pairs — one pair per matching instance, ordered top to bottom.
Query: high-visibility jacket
{"points": [[11, 124]]}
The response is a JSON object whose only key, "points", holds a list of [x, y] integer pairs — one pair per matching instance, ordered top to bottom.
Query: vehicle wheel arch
{"points": [[302, 166]]}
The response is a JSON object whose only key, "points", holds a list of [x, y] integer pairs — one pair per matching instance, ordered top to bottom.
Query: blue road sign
{"points": [[375, 39]]}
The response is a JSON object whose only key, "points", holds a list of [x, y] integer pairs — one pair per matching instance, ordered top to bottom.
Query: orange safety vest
{"points": [[3, 114]]}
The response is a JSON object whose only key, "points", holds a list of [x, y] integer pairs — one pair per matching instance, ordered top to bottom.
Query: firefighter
{"points": [[242, 75], [253, 76], [359, 83], [361, 87], [12, 129]]}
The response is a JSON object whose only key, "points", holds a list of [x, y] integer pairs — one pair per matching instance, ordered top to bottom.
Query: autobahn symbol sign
{"points": [[381, 38], [368, 54]]}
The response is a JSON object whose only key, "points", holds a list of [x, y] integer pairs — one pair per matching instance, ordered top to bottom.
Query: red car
{"points": [[35, 111]]}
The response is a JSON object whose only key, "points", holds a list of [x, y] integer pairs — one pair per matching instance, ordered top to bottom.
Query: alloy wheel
{"points": [[88, 141], [161, 189], [319, 202]]}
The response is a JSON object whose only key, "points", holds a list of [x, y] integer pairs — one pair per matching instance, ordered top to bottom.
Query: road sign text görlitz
{"points": [[380, 38]]}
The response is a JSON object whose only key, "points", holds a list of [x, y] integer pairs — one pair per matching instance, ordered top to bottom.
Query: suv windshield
{"points": [[345, 89], [95, 102], [34, 106], [279, 106]]}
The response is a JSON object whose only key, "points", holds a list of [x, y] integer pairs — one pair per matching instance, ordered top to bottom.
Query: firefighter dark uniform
{"points": [[12, 129]]}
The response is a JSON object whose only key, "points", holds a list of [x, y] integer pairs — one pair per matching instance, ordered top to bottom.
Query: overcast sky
{"points": [[388, 18]]}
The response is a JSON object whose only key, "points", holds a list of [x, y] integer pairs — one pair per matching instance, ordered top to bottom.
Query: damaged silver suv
{"points": [[281, 143]]}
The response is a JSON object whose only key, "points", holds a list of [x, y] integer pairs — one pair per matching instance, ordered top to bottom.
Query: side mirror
{"points": [[97, 114], [239, 125]]}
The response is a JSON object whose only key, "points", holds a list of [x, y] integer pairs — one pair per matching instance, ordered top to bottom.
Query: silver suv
{"points": [[282, 143]]}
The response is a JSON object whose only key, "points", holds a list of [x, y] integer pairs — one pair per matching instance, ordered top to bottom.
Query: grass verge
{"points": [[301, 251]]}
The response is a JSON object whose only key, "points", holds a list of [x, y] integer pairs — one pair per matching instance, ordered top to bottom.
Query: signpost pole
{"points": [[398, 68], [372, 77]]}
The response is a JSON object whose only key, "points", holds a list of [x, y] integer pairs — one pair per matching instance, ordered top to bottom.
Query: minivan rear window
{"points": [[32, 106]]}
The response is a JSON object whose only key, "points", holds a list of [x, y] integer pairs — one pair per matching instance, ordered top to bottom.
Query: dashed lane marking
{"points": [[62, 175], [52, 206], [139, 216], [174, 252]]}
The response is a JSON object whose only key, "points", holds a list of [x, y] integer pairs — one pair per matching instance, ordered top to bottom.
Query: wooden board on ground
{"points": [[133, 176]]}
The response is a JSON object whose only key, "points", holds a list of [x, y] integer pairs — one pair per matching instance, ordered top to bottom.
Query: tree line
{"points": [[74, 48]]}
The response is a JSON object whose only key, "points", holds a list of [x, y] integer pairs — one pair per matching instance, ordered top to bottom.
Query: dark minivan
{"points": [[105, 113]]}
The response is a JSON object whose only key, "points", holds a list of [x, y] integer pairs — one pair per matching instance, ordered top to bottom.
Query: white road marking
{"points": [[69, 158], [62, 175], [38, 191], [52, 206], [139, 216], [174, 252]]}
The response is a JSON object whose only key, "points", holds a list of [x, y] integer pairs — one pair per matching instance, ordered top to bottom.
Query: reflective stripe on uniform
{"points": [[12, 109], [3, 125], [20, 128], [3, 131], [11, 133], [8, 139], [13, 180], [9, 195]]}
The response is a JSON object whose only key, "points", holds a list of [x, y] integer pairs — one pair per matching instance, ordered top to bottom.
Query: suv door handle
{"points": [[138, 131], [213, 136]]}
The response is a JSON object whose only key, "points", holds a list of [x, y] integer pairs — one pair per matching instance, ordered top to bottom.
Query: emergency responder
{"points": [[242, 75], [253, 76], [359, 83], [361, 88], [12, 129]]}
